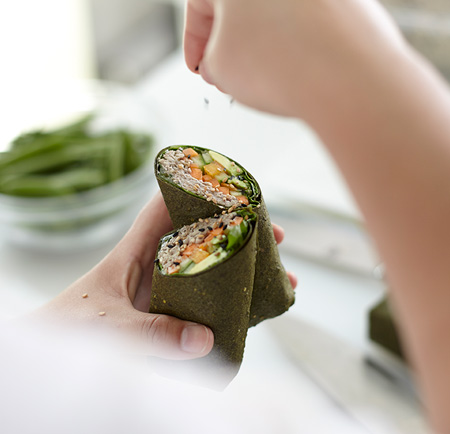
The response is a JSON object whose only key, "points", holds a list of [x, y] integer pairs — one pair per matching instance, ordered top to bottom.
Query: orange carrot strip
{"points": [[189, 152], [196, 173], [229, 186], [242, 199], [236, 221], [217, 231], [209, 238], [189, 249], [199, 255], [174, 269]]}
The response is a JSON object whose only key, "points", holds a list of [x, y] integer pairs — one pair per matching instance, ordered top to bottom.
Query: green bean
{"points": [[53, 163], [59, 184]]}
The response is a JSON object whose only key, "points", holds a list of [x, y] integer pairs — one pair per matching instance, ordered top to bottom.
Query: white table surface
{"points": [[334, 299]]}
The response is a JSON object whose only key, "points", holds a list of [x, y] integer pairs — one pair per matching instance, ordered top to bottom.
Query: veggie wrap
{"points": [[198, 183], [204, 273], [383, 328]]}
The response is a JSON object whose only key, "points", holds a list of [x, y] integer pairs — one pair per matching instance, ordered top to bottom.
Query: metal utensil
{"points": [[378, 402]]}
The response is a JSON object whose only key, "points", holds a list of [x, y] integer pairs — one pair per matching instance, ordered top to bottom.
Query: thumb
{"points": [[168, 337]]}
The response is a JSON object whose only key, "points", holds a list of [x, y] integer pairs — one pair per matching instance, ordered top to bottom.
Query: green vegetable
{"points": [[207, 157], [70, 159], [208, 262]]}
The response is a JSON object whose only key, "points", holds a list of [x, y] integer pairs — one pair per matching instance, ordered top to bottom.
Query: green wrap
{"points": [[272, 291], [219, 298], [383, 330]]}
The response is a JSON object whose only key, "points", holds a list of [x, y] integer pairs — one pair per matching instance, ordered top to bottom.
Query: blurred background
{"points": [[123, 60]]}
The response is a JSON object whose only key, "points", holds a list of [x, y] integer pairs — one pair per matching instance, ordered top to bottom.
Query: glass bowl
{"points": [[87, 219], [78, 221]]}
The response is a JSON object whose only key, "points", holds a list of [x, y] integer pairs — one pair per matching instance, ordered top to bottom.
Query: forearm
{"points": [[344, 68], [390, 135]]}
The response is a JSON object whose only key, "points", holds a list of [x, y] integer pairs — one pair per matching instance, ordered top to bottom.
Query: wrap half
{"points": [[198, 183], [204, 273]]}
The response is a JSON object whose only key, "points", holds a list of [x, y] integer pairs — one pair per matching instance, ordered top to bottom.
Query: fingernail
{"points": [[194, 339]]}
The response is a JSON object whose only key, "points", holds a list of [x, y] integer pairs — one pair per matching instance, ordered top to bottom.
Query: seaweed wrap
{"points": [[198, 183], [204, 273], [383, 329]]}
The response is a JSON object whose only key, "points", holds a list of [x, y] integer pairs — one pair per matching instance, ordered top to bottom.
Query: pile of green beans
{"points": [[70, 159]]}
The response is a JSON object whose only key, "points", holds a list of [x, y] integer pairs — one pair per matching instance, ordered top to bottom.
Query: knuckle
{"points": [[157, 330]]}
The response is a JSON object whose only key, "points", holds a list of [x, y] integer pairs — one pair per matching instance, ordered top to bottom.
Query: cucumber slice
{"points": [[207, 158], [198, 160], [224, 161], [234, 170], [222, 177], [243, 185], [218, 239], [208, 262], [185, 265]]}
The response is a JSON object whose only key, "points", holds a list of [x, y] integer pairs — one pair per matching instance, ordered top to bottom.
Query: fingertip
{"points": [[204, 72], [278, 232], [293, 279], [196, 340]]}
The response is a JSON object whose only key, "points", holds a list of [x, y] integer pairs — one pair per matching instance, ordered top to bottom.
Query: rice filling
{"points": [[206, 177], [210, 240]]}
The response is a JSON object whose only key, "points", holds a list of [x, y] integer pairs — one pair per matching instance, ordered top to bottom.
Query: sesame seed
{"points": [[224, 212], [200, 220], [220, 224], [225, 227], [210, 228], [202, 229], [175, 234], [180, 242], [85, 296], [101, 313]]}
